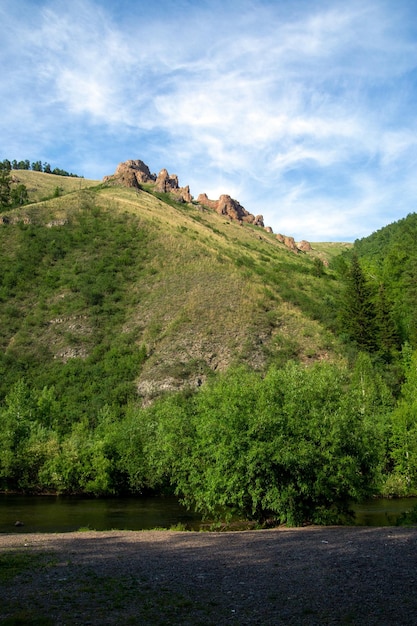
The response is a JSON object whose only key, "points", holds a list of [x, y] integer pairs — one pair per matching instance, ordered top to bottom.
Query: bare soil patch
{"points": [[306, 576]]}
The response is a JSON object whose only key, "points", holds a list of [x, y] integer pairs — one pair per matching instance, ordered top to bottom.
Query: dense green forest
{"points": [[311, 407]]}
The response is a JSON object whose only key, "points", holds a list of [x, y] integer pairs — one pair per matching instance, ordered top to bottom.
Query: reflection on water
{"points": [[382, 511], [64, 513], [49, 514]]}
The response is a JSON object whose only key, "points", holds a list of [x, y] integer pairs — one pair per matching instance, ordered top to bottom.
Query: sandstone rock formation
{"points": [[133, 173], [167, 183], [225, 205], [289, 242], [304, 246]]}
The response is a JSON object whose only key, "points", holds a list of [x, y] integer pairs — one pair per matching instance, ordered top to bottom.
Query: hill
{"points": [[41, 186], [389, 258], [110, 270], [152, 342]]}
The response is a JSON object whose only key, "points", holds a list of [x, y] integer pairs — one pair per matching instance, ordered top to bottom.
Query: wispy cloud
{"points": [[305, 112]]}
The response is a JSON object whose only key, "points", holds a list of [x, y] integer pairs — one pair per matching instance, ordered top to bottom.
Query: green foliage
{"points": [[36, 166], [4, 186], [19, 195], [391, 256], [92, 261], [121, 286], [357, 312], [26, 442], [403, 442], [292, 446]]}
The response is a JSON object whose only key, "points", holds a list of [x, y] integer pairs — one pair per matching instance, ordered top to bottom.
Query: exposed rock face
{"points": [[134, 172], [131, 174], [169, 184], [225, 205], [289, 242], [304, 246]]}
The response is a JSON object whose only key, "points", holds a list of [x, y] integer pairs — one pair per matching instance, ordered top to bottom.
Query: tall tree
{"points": [[37, 166], [4, 186], [19, 195], [357, 315], [387, 335]]}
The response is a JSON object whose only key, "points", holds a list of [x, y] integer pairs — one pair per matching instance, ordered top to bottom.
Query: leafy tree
{"points": [[4, 186], [19, 195], [318, 267], [25, 443], [155, 443], [403, 443], [292, 446]]}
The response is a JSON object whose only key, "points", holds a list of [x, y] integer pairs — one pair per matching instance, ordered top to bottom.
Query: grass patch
{"points": [[13, 564]]}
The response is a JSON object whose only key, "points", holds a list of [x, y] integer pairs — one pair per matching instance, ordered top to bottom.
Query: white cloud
{"points": [[301, 110]]}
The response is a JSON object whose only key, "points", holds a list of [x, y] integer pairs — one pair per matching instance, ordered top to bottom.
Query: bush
{"points": [[293, 446]]}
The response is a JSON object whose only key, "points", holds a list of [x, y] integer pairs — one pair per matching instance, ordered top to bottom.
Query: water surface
{"points": [[51, 514]]}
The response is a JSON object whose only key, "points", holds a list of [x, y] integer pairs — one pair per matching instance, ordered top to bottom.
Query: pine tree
{"points": [[357, 316], [387, 335]]}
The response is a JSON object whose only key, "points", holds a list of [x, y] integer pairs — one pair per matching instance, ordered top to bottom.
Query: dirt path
{"points": [[316, 575]]}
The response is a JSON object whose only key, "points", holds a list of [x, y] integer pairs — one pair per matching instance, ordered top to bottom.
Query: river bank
{"points": [[303, 576]]}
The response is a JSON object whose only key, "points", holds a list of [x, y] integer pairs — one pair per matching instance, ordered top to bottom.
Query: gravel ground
{"points": [[313, 575]]}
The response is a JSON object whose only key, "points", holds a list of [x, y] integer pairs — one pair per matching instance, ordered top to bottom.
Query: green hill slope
{"points": [[389, 257], [179, 292], [112, 297]]}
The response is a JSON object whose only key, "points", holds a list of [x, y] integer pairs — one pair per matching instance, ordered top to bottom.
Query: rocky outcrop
{"points": [[135, 172], [131, 174], [167, 183], [225, 205], [289, 242], [304, 246]]}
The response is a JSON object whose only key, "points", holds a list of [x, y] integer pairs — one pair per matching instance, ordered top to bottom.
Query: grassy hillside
{"points": [[42, 186], [178, 291], [110, 297]]}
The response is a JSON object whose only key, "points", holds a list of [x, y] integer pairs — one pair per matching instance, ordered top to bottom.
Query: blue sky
{"points": [[304, 111]]}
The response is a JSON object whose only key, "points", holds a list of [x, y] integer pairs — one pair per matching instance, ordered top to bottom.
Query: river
{"points": [[49, 514]]}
